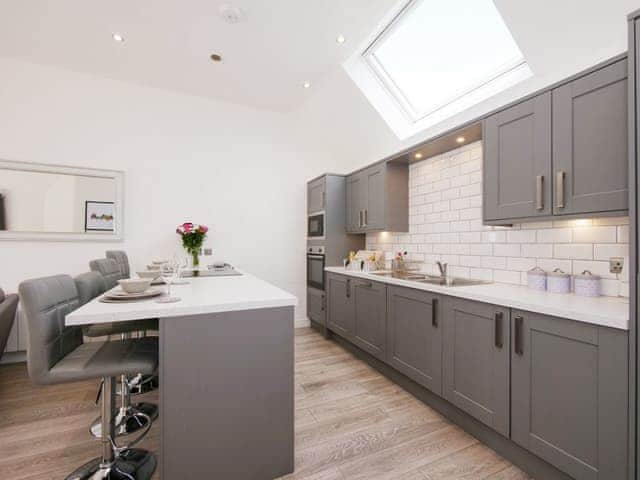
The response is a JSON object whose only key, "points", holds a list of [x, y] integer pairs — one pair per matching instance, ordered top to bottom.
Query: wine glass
{"points": [[169, 273]]}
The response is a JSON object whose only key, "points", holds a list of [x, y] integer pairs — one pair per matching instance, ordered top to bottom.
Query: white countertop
{"points": [[200, 295], [605, 311]]}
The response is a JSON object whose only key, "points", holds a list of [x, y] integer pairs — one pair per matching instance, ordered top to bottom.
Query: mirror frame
{"points": [[116, 175]]}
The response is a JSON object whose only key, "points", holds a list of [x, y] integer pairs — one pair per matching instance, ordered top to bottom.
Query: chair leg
{"points": [[115, 463]]}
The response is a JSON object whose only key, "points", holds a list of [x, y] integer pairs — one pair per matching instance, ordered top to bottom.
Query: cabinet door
{"points": [[590, 142], [517, 160], [316, 196], [373, 197], [354, 203], [316, 305], [340, 314], [370, 319], [414, 335], [476, 360], [569, 394]]}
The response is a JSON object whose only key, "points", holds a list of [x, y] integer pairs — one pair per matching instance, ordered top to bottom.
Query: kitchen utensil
{"points": [[135, 285]]}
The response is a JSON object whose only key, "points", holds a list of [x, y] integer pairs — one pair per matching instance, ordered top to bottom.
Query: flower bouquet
{"points": [[193, 236]]}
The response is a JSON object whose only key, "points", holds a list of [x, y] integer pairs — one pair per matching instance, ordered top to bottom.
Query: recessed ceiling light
{"points": [[118, 38], [340, 39], [215, 57], [306, 84], [460, 139], [417, 156]]}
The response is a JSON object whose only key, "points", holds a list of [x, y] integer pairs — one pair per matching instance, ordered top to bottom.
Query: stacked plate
{"points": [[119, 296]]}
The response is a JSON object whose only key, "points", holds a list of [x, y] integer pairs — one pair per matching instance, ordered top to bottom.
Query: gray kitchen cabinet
{"points": [[590, 151], [517, 160], [316, 195], [378, 198], [355, 206], [316, 305], [340, 312], [370, 317], [414, 335], [476, 360], [569, 394]]}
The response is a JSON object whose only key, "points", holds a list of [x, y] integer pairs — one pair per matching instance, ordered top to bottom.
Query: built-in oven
{"points": [[315, 226], [315, 267]]}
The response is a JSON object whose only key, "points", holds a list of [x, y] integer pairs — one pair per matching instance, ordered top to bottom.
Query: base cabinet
{"points": [[316, 305], [340, 314], [370, 317], [414, 335], [476, 360], [569, 394]]}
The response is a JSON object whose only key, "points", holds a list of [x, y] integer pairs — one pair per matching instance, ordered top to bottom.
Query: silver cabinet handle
{"points": [[560, 188], [324, 199], [539, 200], [360, 218], [366, 219], [434, 313], [498, 329], [518, 347]]}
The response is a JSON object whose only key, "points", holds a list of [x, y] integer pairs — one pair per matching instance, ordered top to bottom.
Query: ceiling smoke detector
{"points": [[231, 14]]}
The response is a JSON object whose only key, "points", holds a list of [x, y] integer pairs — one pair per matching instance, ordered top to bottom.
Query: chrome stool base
{"points": [[130, 421], [131, 464]]}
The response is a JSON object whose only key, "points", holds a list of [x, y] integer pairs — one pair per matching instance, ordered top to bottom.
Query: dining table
{"points": [[226, 371]]}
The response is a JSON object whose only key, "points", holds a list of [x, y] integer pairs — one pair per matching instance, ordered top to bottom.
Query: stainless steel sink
{"points": [[432, 279]]}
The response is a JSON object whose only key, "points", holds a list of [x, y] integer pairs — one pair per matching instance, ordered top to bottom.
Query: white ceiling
{"points": [[168, 43]]}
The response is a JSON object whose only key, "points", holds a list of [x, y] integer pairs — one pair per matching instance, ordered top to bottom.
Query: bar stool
{"points": [[122, 260], [8, 306], [56, 354], [129, 417]]}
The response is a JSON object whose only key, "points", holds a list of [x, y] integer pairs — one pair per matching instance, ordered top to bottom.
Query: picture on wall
{"points": [[98, 216]]}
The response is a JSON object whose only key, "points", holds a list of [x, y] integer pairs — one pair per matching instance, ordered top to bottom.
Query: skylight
{"points": [[439, 57]]}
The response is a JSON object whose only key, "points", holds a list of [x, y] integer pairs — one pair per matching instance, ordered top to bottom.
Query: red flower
{"points": [[204, 229]]}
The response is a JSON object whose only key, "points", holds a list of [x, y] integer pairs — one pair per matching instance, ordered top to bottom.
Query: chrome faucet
{"points": [[443, 269]]}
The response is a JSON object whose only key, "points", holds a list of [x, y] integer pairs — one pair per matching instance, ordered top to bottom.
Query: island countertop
{"points": [[200, 296], [604, 311]]}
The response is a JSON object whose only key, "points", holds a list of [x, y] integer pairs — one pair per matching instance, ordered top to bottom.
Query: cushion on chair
{"points": [[121, 259], [109, 269], [89, 285], [2, 295], [45, 303], [8, 307], [108, 359]]}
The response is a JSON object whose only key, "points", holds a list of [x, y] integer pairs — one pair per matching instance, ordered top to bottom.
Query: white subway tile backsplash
{"points": [[446, 224]]}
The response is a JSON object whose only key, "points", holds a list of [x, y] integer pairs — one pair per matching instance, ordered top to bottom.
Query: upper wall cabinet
{"points": [[562, 152], [590, 152], [316, 195], [378, 199]]}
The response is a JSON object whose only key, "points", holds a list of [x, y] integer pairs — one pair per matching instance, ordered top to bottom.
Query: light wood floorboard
{"points": [[351, 424]]}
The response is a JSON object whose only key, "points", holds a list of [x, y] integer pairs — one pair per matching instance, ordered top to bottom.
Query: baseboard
{"points": [[301, 322], [13, 357]]}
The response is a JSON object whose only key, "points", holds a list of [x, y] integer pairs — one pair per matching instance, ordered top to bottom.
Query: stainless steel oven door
{"points": [[315, 226], [315, 271]]}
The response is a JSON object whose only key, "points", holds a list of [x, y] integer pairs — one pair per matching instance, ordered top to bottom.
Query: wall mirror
{"points": [[54, 202]]}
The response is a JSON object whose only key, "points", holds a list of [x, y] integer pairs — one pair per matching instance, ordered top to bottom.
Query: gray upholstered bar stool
{"points": [[122, 260], [109, 269], [8, 306], [56, 354], [130, 417]]}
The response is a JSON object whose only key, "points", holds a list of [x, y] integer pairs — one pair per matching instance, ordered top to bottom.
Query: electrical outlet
{"points": [[208, 251], [616, 264]]}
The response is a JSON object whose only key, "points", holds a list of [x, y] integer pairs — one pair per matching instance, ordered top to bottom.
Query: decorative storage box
{"points": [[537, 279], [559, 282], [587, 284]]}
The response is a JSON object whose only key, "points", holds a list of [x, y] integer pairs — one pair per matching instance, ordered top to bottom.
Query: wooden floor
{"points": [[351, 423]]}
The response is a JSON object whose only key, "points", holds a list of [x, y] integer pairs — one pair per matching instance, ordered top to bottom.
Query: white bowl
{"points": [[159, 262], [154, 267], [152, 274], [135, 285]]}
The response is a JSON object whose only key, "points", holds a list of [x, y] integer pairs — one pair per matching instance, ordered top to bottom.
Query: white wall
{"points": [[238, 170]]}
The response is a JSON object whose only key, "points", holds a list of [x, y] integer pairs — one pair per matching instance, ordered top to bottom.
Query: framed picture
{"points": [[98, 216]]}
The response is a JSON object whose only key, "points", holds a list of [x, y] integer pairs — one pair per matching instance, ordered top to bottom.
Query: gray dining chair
{"points": [[122, 260], [109, 269], [8, 307], [56, 354], [131, 416]]}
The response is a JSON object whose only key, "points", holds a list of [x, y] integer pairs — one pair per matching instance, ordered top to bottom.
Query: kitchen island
{"points": [[226, 376]]}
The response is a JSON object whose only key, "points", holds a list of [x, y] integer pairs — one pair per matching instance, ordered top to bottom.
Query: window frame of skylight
{"points": [[406, 107]]}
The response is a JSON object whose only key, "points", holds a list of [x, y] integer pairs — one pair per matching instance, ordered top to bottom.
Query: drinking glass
{"points": [[169, 273]]}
